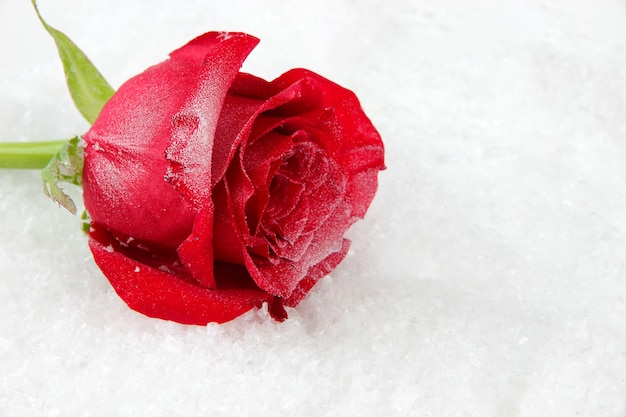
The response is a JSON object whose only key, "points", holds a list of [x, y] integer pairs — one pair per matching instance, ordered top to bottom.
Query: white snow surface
{"points": [[488, 278]]}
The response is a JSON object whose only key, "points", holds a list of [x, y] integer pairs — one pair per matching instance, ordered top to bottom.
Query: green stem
{"points": [[28, 155]]}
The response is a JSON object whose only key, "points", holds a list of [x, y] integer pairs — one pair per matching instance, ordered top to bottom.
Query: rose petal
{"points": [[251, 86], [236, 118], [239, 122], [350, 125], [348, 137], [192, 141], [124, 160], [261, 161], [239, 189], [332, 192], [285, 194], [227, 245], [294, 251], [196, 252], [315, 273], [283, 277], [163, 295]]}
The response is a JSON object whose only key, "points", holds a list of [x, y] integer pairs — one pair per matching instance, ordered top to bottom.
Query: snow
{"points": [[488, 278]]}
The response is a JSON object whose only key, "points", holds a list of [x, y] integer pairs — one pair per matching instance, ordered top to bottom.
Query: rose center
{"points": [[302, 194]]}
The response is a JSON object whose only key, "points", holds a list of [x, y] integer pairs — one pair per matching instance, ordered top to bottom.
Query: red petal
{"points": [[234, 125], [352, 140], [191, 148], [124, 163], [227, 244], [196, 252], [316, 273], [165, 295], [277, 310]]}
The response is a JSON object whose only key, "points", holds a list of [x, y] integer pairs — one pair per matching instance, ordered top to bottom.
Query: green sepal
{"points": [[88, 88], [66, 166], [85, 222]]}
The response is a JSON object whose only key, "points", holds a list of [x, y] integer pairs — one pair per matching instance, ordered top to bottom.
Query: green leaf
{"points": [[88, 88], [66, 166]]}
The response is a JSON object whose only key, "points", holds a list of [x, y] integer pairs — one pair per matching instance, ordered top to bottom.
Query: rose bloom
{"points": [[212, 191]]}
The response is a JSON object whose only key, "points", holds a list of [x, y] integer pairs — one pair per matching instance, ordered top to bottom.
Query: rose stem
{"points": [[28, 155]]}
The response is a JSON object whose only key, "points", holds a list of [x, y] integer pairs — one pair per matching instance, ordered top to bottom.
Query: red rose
{"points": [[213, 191]]}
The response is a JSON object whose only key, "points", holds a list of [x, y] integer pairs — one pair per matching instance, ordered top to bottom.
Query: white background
{"points": [[488, 279]]}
